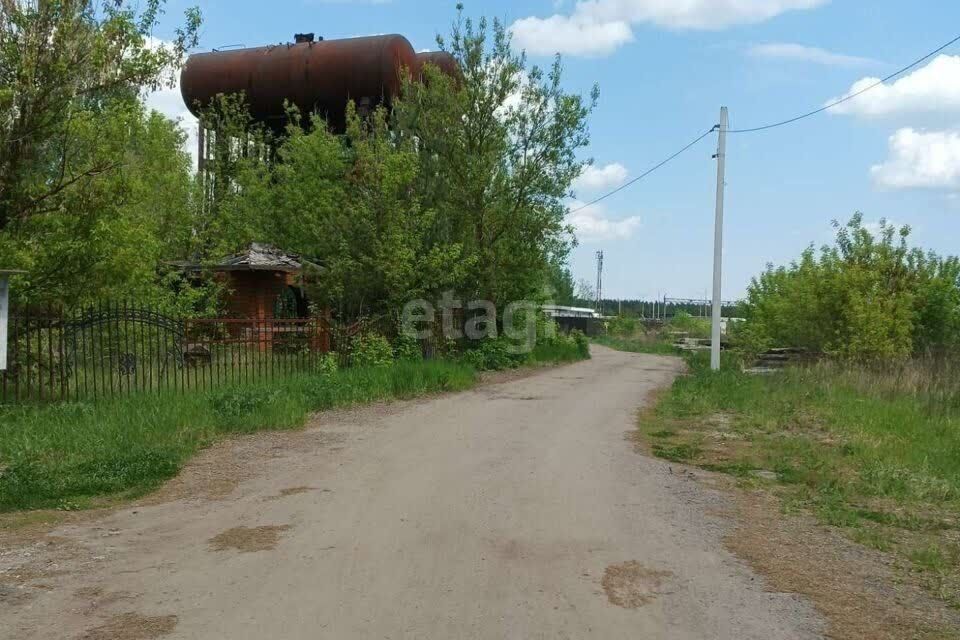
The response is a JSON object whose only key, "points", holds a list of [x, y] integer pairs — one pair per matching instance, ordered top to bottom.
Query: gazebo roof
{"points": [[256, 257]]}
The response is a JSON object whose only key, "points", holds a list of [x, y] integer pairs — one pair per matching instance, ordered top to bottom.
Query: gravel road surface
{"points": [[516, 510]]}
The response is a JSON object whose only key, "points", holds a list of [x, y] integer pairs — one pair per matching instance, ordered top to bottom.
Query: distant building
{"points": [[557, 311], [569, 318]]}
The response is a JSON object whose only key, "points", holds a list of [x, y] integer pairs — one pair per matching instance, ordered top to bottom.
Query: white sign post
{"points": [[4, 313]]}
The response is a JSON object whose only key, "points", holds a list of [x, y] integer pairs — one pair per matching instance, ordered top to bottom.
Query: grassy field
{"points": [[875, 453], [65, 456]]}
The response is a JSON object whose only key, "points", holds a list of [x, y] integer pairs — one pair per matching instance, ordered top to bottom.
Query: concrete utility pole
{"points": [[718, 241], [600, 282]]}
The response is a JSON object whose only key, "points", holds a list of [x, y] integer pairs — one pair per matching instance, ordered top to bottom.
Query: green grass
{"points": [[640, 344], [62, 456], [884, 466]]}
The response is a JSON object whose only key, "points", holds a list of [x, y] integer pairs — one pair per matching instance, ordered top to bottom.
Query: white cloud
{"points": [[598, 27], [571, 35], [802, 53], [934, 88], [920, 159], [599, 178], [592, 223]]}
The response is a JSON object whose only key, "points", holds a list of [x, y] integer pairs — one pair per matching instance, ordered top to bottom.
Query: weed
{"points": [[663, 433], [676, 453], [873, 538], [930, 558]]}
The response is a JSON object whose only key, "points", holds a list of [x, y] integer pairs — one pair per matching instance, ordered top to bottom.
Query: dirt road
{"points": [[517, 510]]}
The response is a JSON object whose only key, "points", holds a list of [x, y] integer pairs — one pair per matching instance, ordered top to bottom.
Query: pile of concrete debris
{"points": [[683, 341], [775, 360]]}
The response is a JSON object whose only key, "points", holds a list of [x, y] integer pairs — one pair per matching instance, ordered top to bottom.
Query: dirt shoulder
{"points": [[860, 591], [863, 593]]}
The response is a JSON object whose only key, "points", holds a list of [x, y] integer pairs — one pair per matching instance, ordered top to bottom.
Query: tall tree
{"points": [[76, 145], [498, 149], [348, 204], [560, 283]]}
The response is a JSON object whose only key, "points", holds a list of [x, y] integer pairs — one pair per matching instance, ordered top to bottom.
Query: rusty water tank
{"points": [[440, 59], [315, 76]]}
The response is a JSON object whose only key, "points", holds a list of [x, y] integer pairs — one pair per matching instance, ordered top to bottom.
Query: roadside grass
{"points": [[641, 343], [63, 456], [70, 456], [881, 464]]}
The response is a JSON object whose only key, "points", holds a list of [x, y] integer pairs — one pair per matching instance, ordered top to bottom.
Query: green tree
{"points": [[497, 151], [92, 188], [348, 204], [232, 208], [109, 235], [560, 284]]}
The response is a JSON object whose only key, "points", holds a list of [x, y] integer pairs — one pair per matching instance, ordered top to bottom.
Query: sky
{"points": [[665, 67]]}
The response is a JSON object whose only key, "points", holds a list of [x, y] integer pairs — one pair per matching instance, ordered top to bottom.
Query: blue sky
{"points": [[664, 69]]}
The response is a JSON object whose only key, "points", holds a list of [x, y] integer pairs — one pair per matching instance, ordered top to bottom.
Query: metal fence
{"points": [[113, 349]]}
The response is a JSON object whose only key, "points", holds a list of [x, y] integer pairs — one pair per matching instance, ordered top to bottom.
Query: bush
{"points": [[867, 298], [623, 326], [696, 327], [582, 343], [407, 348], [561, 348], [371, 350], [493, 354], [474, 358], [327, 364]]}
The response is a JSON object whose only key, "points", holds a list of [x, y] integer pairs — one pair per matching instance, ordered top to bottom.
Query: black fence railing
{"points": [[113, 349]]}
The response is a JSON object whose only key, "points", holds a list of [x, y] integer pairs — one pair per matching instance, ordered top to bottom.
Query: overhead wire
{"points": [[849, 96], [772, 125], [647, 172]]}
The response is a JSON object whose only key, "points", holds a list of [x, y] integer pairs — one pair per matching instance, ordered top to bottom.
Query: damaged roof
{"points": [[256, 257]]}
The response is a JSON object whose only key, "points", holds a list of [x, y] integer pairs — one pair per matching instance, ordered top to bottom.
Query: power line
{"points": [[852, 95], [772, 125], [645, 173]]}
